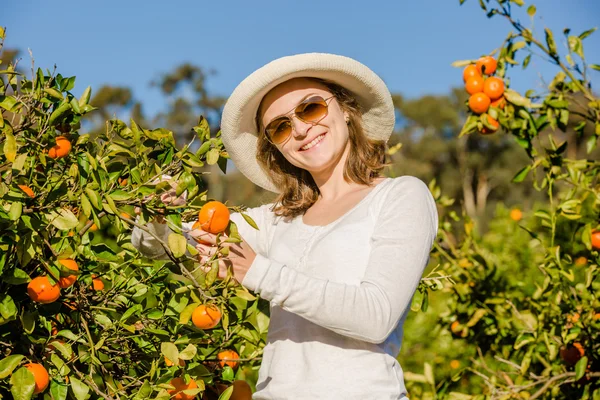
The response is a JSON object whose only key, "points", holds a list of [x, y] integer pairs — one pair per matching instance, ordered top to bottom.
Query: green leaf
{"points": [[531, 10], [2, 32], [587, 33], [550, 41], [575, 45], [595, 66], [53, 93], [85, 97], [516, 99], [58, 112], [202, 129], [10, 146], [212, 157], [19, 162], [522, 174], [120, 195], [94, 197], [85, 205], [16, 208], [63, 219], [249, 220], [177, 244], [16, 277], [244, 294], [8, 309], [187, 312], [28, 320], [170, 351], [188, 353], [8, 364], [580, 367], [428, 372], [22, 384], [80, 389], [58, 391], [229, 391]]}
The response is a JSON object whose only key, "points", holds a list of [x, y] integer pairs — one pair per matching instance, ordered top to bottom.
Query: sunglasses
{"points": [[312, 110]]}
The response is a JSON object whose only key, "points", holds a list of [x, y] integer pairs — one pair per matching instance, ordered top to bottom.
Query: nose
{"points": [[300, 127]]}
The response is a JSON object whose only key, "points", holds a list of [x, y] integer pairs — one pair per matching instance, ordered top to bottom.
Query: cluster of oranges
{"points": [[486, 90], [41, 290]]}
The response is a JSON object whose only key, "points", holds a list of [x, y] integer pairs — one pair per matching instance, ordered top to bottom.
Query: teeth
{"points": [[314, 142]]}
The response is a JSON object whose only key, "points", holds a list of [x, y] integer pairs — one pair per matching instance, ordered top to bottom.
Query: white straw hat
{"points": [[238, 126]]}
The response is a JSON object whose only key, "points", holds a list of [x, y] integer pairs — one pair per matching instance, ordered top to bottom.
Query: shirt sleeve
{"points": [[404, 233], [257, 239], [149, 246]]}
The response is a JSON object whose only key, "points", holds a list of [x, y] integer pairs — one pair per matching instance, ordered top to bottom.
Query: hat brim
{"points": [[238, 126]]}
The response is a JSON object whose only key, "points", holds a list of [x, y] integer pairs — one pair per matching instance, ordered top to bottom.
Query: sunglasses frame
{"points": [[292, 113]]}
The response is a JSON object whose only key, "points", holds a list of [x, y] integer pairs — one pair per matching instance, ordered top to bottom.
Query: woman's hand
{"points": [[169, 198], [240, 258]]}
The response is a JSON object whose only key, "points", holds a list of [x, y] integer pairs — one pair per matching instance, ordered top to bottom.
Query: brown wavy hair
{"points": [[298, 191]]}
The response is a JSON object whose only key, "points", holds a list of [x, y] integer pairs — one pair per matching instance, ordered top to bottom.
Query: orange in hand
{"points": [[487, 65], [474, 84], [493, 87], [479, 103], [61, 149], [214, 217], [198, 225], [66, 281], [42, 291], [206, 316], [228, 357], [40, 374], [180, 385]]}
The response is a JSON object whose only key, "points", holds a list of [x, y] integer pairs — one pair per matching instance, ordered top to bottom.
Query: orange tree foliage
{"points": [[522, 307], [109, 333]]}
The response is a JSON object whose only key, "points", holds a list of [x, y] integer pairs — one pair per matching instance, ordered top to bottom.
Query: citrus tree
{"points": [[522, 306], [83, 317]]}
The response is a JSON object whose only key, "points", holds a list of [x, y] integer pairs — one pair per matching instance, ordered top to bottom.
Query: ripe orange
{"points": [[487, 65], [470, 71], [474, 84], [493, 87], [479, 103], [498, 103], [495, 124], [61, 149], [122, 181], [27, 190], [516, 214], [125, 215], [214, 217], [198, 225], [93, 228], [596, 239], [581, 261], [66, 281], [97, 283], [42, 291], [206, 316], [455, 328], [571, 354], [228, 357], [169, 363], [454, 364], [40, 374], [179, 383]]}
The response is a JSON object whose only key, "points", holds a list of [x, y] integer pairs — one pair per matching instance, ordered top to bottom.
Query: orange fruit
{"points": [[487, 65], [470, 71], [474, 84], [493, 87], [479, 103], [498, 103], [485, 130], [61, 149], [122, 181], [27, 190], [516, 214], [125, 215], [214, 217], [198, 225], [93, 228], [596, 239], [581, 261], [66, 281], [97, 283], [42, 291], [206, 316], [455, 327], [53, 329], [571, 354], [228, 357], [169, 363], [454, 364], [40, 374], [179, 383]]}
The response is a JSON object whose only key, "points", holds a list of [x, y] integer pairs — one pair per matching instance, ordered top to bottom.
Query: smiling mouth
{"points": [[315, 142]]}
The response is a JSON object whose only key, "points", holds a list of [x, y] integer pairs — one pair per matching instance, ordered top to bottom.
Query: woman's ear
{"points": [[347, 117]]}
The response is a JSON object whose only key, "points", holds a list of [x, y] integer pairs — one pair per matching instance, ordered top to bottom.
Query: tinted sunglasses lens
{"points": [[313, 110], [279, 130]]}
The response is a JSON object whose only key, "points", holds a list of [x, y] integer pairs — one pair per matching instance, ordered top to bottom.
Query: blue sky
{"points": [[410, 44]]}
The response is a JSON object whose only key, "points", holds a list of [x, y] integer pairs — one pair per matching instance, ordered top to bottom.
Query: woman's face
{"points": [[332, 131]]}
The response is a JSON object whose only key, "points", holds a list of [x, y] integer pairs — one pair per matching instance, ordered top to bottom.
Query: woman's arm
{"points": [[404, 233]]}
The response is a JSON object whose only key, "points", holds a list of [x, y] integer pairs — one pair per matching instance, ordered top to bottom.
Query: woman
{"points": [[341, 251]]}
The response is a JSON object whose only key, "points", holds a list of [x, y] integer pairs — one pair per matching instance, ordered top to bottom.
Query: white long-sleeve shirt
{"points": [[339, 293]]}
